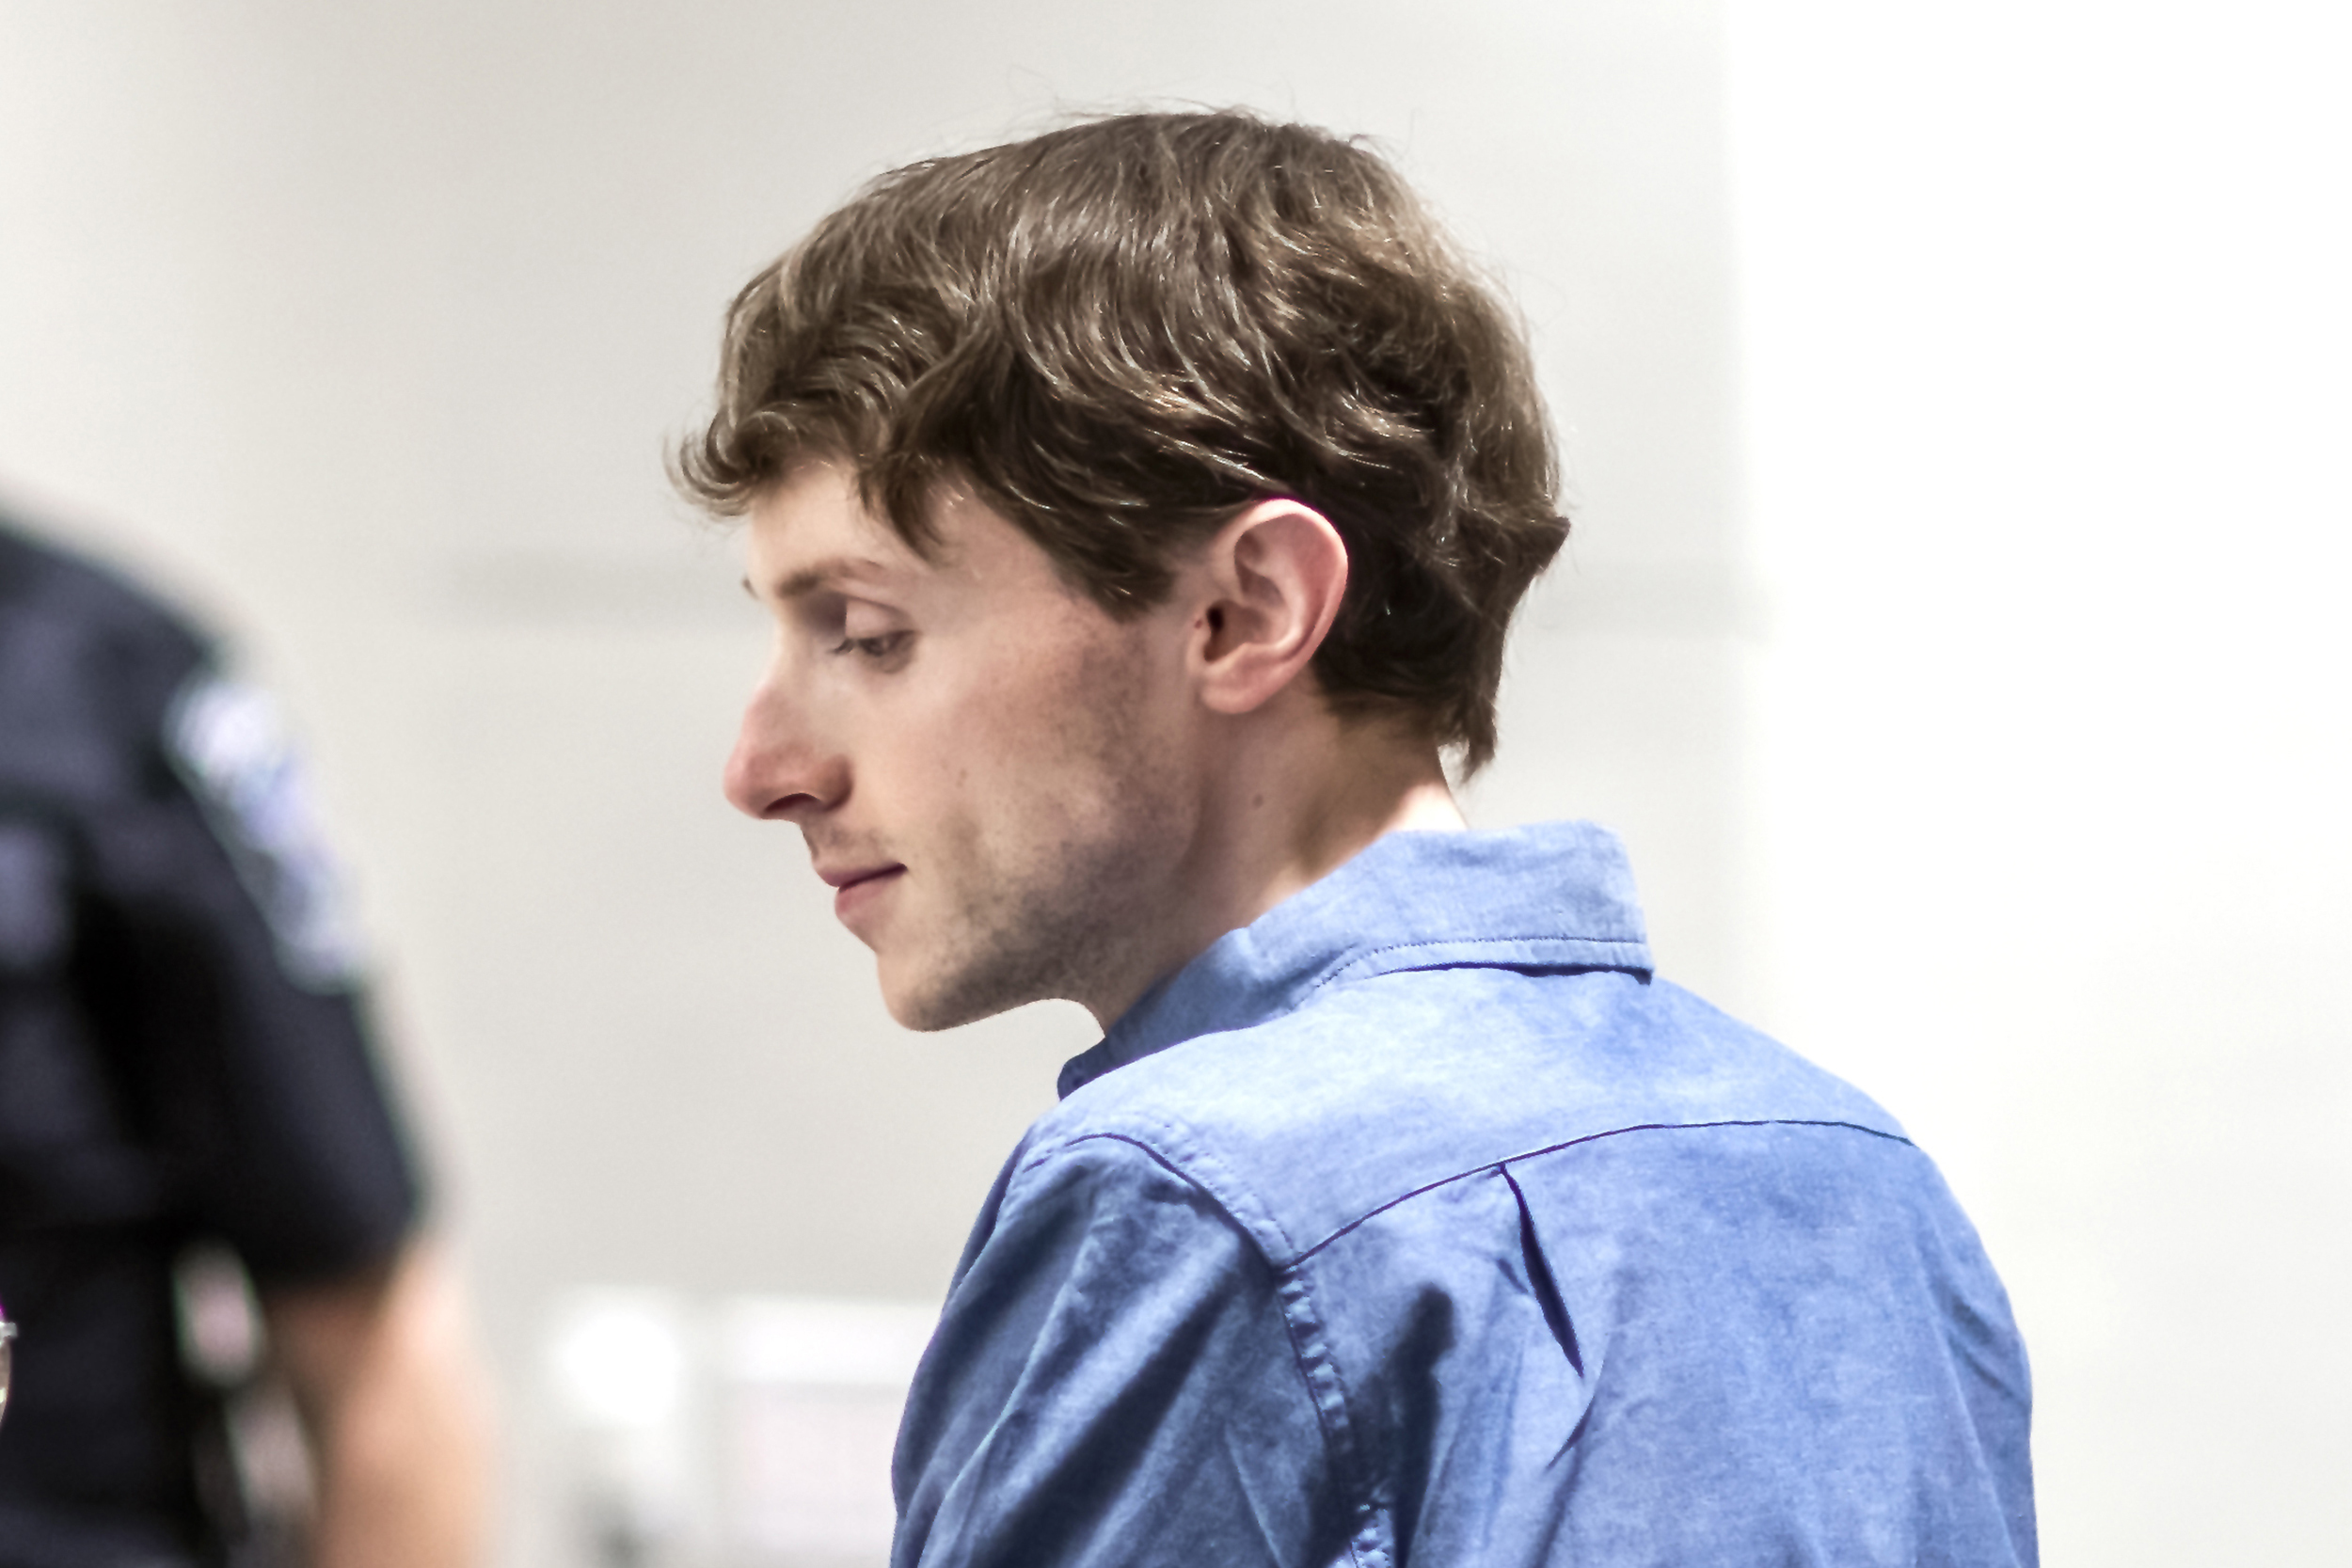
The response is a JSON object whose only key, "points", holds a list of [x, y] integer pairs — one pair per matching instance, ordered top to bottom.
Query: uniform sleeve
{"points": [[236, 996], [1114, 1382]]}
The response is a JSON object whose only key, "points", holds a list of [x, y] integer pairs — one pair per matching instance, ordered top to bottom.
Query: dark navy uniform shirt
{"points": [[182, 1051], [1417, 1222]]}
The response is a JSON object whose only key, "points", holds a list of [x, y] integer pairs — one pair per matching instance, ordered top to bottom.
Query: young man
{"points": [[1141, 507]]}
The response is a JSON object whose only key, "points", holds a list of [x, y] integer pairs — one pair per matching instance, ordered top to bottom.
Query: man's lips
{"points": [[842, 876], [856, 886]]}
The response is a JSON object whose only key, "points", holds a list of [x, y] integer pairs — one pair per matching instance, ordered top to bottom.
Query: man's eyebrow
{"points": [[823, 573]]}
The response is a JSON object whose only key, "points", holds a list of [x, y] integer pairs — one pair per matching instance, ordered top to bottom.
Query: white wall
{"points": [[2045, 312]]}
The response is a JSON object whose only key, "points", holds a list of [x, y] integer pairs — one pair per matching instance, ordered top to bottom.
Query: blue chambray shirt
{"points": [[1417, 1223]]}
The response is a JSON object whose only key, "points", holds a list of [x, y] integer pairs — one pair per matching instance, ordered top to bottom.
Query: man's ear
{"points": [[1269, 585]]}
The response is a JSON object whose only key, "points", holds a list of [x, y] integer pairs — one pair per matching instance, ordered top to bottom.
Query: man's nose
{"points": [[780, 771]]}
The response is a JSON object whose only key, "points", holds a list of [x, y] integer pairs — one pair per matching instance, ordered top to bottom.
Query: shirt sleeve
{"points": [[233, 1002], [1114, 1382]]}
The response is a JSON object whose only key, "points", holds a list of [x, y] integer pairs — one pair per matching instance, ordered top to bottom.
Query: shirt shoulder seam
{"points": [[1226, 1203], [1309, 1337]]}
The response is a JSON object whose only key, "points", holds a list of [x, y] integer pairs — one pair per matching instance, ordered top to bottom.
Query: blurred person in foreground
{"points": [[1141, 507], [191, 1116]]}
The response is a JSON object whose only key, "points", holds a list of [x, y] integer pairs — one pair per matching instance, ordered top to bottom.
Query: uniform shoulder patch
{"points": [[230, 744]]}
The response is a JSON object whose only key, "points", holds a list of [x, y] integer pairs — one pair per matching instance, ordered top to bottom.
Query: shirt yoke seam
{"points": [[1485, 1165]]}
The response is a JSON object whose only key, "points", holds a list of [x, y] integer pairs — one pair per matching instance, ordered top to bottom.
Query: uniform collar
{"points": [[1557, 896]]}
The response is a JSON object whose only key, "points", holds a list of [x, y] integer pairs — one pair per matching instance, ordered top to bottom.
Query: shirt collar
{"points": [[1558, 896]]}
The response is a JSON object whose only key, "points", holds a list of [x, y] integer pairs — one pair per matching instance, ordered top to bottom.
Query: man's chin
{"points": [[928, 1002]]}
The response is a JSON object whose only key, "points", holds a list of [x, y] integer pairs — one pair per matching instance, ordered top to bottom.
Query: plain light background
{"points": [[1955, 404], [2045, 422]]}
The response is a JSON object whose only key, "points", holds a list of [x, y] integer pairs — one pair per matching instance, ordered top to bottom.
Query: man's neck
{"points": [[1278, 818]]}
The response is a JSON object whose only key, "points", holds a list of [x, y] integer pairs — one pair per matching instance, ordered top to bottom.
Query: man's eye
{"points": [[880, 646]]}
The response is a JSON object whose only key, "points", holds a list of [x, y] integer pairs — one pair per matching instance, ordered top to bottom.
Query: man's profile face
{"points": [[989, 770]]}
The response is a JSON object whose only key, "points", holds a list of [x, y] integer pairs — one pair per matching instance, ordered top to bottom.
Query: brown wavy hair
{"points": [[1120, 332]]}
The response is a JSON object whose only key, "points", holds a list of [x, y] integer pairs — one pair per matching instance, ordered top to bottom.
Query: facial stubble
{"points": [[1065, 888]]}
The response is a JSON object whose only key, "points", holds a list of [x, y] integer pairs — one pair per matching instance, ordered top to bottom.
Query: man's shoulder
{"points": [[39, 576], [86, 650], [1377, 1088]]}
